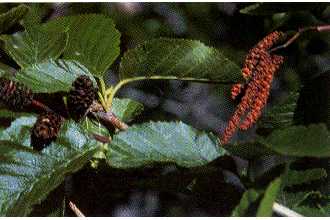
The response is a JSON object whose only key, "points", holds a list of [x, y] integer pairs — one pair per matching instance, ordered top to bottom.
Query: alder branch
{"points": [[320, 28], [38, 105], [108, 119], [101, 138]]}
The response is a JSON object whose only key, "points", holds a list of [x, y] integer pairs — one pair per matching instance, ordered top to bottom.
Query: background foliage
{"points": [[169, 162]]}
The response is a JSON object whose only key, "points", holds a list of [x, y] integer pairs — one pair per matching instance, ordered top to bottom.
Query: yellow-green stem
{"points": [[139, 78]]}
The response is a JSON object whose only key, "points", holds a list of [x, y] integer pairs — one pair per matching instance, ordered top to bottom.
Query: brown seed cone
{"points": [[13, 95], [81, 97], [45, 130]]}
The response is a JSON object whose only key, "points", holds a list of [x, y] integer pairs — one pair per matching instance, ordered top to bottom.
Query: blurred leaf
{"points": [[272, 8], [12, 17], [93, 40], [34, 45], [178, 59], [52, 76], [313, 105], [126, 109], [281, 115], [300, 141], [163, 142], [249, 150], [263, 166], [27, 176], [306, 176], [249, 196], [309, 203], [265, 208], [313, 212]]}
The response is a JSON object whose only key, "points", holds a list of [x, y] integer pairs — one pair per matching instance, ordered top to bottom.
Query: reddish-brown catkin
{"points": [[259, 68]]}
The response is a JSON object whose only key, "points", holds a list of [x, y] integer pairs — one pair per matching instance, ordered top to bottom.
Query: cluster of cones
{"points": [[258, 70], [16, 97]]}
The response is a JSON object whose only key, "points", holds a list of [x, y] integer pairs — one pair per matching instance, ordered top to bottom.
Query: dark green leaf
{"points": [[272, 8], [35, 15], [12, 17], [93, 40], [34, 45], [178, 59], [52, 76], [126, 109], [4, 113], [281, 115], [295, 141], [300, 141], [159, 142], [249, 150], [27, 176], [306, 176], [249, 196], [310, 204], [52, 206], [265, 208], [313, 211]]}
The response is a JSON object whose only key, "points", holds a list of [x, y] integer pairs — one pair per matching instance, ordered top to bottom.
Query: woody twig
{"points": [[320, 28], [108, 119]]}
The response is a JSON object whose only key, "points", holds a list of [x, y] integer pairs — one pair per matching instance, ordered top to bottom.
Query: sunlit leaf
{"points": [[178, 59], [52, 76], [162, 142]]}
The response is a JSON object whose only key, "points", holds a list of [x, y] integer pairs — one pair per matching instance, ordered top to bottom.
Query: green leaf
{"points": [[272, 8], [35, 15], [12, 17], [93, 40], [34, 45], [178, 59], [52, 76], [126, 109], [4, 113], [281, 115], [93, 126], [19, 131], [294, 141], [300, 141], [163, 142], [249, 150], [27, 176], [295, 177], [249, 196], [293, 200], [311, 203], [52, 206], [265, 208], [313, 212]]}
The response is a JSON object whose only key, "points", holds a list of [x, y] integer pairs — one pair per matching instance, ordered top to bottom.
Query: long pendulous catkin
{"points": [[258, 69]]}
